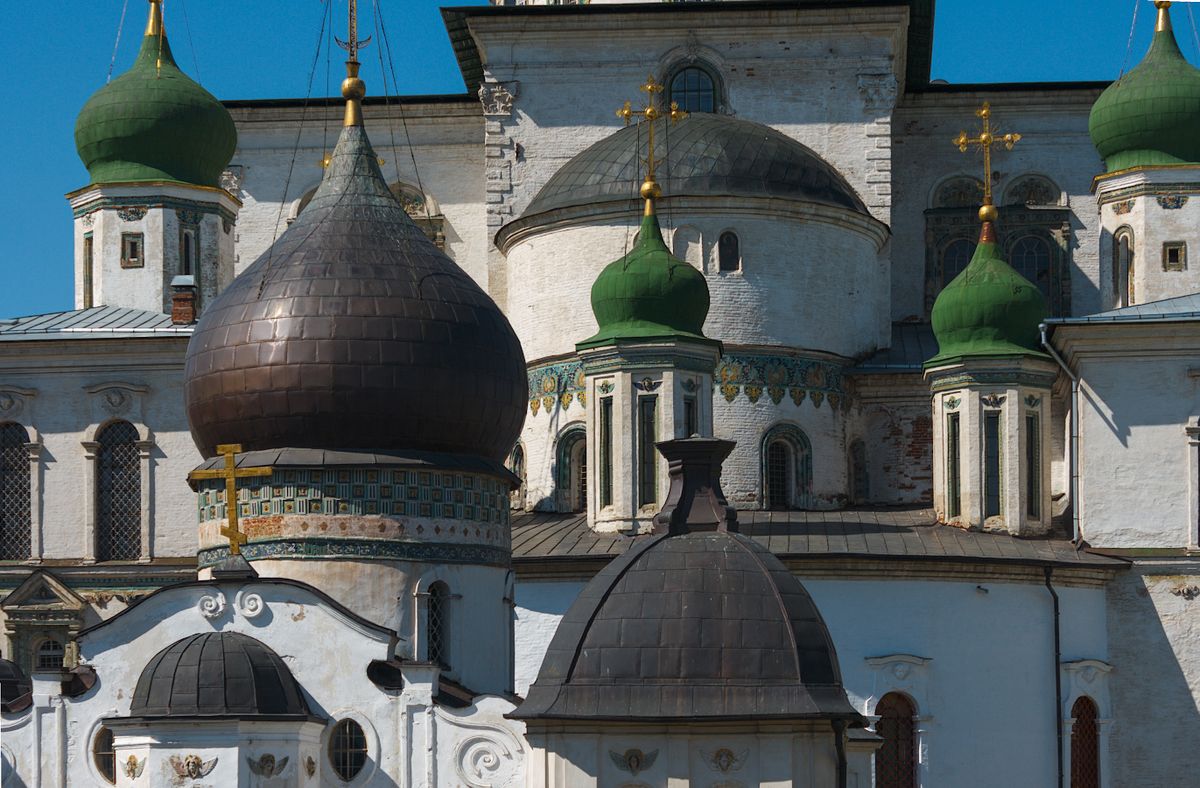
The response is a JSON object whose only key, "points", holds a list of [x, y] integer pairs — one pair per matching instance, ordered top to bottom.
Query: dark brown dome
{"points": [[355, 332]]}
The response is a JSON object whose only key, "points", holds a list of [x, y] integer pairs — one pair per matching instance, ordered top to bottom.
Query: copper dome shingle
{"points": [[355, 332]]}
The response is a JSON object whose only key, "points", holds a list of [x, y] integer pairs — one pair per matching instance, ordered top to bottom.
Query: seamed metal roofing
{"points": [[1180, 309], [101, 322]]}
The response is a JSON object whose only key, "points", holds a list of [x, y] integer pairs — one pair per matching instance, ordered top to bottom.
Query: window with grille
{"points": [[693, 89], [131, 250], [189, 251], [729, 252], [89, 253], [1030, 256], [955, 257], [1174, 257], [1122, 268], [691, 423], [606, 452], [647, 459], [991, 463], [516, 464], [1033, 464], [953, 467], [571, 470], [779, 475], [579, 477], [14, 493], [119, 494], [437, 627], [49, 655], [1085, 745], [347, 749], [104, 755], [896, 760]]}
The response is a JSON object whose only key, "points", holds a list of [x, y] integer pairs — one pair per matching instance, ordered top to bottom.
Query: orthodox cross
{"points": [[352, 44], [650, 113], [987, 138], [231, 473]]}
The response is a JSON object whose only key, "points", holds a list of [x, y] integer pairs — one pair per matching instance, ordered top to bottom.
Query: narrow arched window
{"points": [[693, 89], [188, 251], [729, 252], [1030, 256], [955, 257], [1122, 268], [516, 464], [786, 468], [571, 470], [779, 475], [14, 493], [119, 494], [437, 626], [49, 655], [1085, 744], [347, 749], [104, 754], [896, 759]]}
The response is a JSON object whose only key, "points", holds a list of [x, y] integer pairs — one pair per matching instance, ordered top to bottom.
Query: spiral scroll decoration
{"points": [[211, 605], [484, 762]]}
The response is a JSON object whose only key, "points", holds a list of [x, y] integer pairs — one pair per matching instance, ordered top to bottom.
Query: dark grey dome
{"points": [[707, 155], [354, 332], [703, 625], [218, 674], [14, 686]]}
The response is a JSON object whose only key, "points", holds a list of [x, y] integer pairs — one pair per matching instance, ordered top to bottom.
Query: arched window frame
{"points": [[707, 69], [1032, 189], [720, 249], [944, 253], [1012, 255], [1123, 263], [92, 451], [516, 464], [570, 476], [18, 482], [800, 493], [435, 582], [48, 655], [906, 675], [1090, 679], [1084, 727], [906, 773]]}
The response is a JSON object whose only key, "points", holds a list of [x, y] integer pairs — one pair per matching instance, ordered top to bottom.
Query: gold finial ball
{"points": [[353, 88], [651, 190], [988, 213]]}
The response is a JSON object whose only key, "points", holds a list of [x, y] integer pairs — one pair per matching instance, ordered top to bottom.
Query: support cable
{"points": [[117, 44]]}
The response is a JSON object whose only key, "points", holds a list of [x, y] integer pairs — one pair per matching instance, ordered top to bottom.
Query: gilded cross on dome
{"points": [[651, 112], [988, 137], [231, 473]]}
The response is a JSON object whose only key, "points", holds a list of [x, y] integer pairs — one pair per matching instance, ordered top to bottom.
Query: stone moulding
{"points": [[368, 549]]}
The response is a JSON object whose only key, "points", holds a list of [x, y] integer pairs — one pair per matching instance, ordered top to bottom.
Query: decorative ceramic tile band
{"points": [[778, 376], [560, 385], [363, 491], [373, 549]]}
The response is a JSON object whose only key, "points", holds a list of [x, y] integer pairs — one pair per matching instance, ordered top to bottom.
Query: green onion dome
{"points": [[1151, 116], [154, 123], [649, 293], [987, 310]]}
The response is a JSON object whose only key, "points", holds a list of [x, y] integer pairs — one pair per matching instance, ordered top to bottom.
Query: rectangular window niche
{"points": [[647, 459], [991, 463], [953, 466]]}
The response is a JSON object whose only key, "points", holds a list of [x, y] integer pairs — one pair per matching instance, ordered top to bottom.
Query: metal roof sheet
{"points": [[1179, 309], [101, 322], [912, 345]]}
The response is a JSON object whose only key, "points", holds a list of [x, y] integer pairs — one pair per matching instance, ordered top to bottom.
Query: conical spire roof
{"points": [[1151, 116], [154, 123], [355, 332]]}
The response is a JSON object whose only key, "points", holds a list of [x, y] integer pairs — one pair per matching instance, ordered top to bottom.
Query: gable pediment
{"points": [[42, 592]]}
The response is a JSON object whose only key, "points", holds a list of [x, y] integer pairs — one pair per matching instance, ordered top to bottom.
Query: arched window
{"points": [[694, 89], [1033, 190], [959, 192], [686, 245], [189, 251], [729, 252], [1030, 256], [955, 257], [1122, 268], [516, 464], [786, 468], [572, 470], [860, 487], [14, 493], [119, 494], [437, 625], [49, 655], [1085, 744], [347, 749], [104, 755], [896, 760]]}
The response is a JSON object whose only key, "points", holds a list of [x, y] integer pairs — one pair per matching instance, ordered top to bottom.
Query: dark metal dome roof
{"points": [[707, 155], [354, 332], [697, 626], [218, 674], [15, 686]]}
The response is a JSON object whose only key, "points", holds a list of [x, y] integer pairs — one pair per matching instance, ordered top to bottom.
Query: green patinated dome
{"points": [[1151, 116], [155, 124], [649, 294], [987, 310]]}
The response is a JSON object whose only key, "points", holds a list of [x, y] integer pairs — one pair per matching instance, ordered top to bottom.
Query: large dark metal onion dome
{"points": [[1151, 116], [154, 123], [649, 293], [988, 309], [353, 331], [696, 623], [218, 675]]}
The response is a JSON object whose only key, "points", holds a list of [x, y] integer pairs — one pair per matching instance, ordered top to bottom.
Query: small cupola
{"points": [[1151, 116]]}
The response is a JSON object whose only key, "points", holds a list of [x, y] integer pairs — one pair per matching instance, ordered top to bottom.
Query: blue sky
{"points": [[57, 54]]}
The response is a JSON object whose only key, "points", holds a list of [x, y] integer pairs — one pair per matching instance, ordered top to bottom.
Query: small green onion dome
{"points": [[1151, 116], [154, 123], [649, 294], [987, 310]]}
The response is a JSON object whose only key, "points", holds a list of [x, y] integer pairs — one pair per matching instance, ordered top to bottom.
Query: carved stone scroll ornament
{"points": [[498, 97], [211, 605], [249, 605], [483, 761]]}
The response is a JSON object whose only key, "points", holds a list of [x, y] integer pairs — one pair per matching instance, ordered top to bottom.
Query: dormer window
{"points": [[132, 250]]}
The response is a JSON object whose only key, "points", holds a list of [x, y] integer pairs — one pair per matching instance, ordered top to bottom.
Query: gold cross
{"points": [[650, 112], [986, 139], [231, 473]]}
